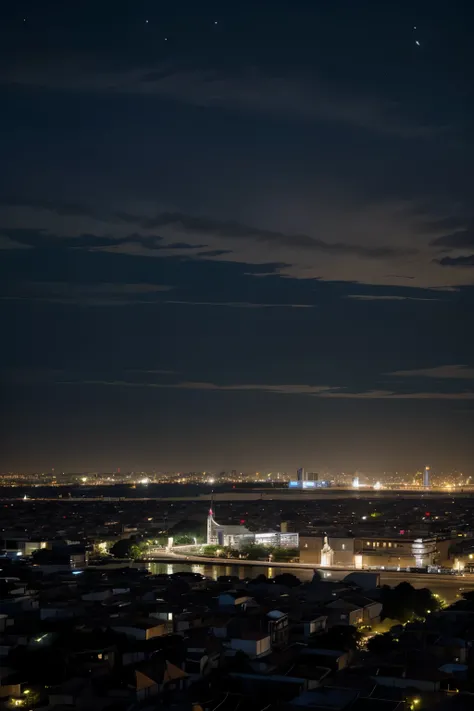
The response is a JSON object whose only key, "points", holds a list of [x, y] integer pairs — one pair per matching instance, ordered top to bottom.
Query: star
{"points": [[146, 22], [417, 43]]}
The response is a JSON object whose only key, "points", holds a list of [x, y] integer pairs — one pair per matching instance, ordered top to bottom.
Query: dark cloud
{"points": [[286, 95], [235, 230], [461, 239], [7, 242], [349, 248], [457, 261], [102, 294], [388, 297], [241, 304], [454, 372], [246, 387], [323, 391], [390, 395]]}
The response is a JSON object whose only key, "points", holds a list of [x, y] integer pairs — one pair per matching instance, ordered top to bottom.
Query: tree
{"points": [[190, 528], [183, 540], [128, 548], [121, 549], [137, 550], [210, 550], [254, 551], [284, 554], [260, 580], [291, 581], [404, 602], [343, 637], [381, 644], [239, 663]]}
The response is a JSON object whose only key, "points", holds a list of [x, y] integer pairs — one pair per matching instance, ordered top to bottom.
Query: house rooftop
{"points": [[325, 698]]}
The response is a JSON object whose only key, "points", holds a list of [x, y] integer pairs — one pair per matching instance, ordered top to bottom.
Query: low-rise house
{"points": [[97, 595], [234, 600], [371, 609], [342, 612], [278, 627], [136, 628], [304, 628], [253, 643], [451, 649], [203, 654], [332, 658], [409, 677], [154, 678], [9, 684], [326, 698]]}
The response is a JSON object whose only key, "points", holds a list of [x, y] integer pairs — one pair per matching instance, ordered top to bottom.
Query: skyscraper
{"points": [[426, 477]]}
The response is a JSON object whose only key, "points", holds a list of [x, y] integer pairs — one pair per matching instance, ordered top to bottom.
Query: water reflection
{"points": [[214, 570]]}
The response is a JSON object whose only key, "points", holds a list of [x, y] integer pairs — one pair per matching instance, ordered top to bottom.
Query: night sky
{"points": [[237, 235]]}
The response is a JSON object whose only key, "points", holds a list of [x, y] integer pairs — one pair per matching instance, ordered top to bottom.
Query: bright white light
{"points": [[417, 43], [84, 479], [145, 481], [210, 481], [355, 482], [377, 486], [364, 518]]}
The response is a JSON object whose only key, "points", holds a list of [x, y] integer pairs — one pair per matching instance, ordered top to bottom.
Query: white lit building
{"points": [[238, 536]]}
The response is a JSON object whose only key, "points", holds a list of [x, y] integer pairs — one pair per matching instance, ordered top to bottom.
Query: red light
{"points": [[427, 513], [242, 521], [402, 532]]}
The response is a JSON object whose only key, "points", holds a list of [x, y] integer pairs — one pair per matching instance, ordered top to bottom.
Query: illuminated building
{"points": [[426, 478], [307, 481], [238, 536], [375, 551], [327, 554]]}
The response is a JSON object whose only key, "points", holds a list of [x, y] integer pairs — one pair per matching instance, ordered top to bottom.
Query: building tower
{"points": [[426, 478], [211, 525], [327, 554]]}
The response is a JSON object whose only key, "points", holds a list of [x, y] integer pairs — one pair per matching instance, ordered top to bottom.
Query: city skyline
{"points": [[237, 237]]}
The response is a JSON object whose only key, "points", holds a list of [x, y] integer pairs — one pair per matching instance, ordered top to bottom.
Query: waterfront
{"points": [[196, 492], [449, 588]]}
